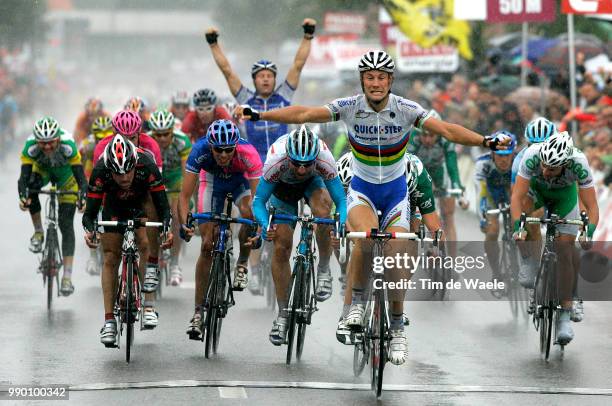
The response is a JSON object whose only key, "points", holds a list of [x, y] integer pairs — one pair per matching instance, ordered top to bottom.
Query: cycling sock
{"points": [[38, 228], [93, 252], [174, 260], [152, 261], [323, 264], [67, 271], [357, 296], [148, 303], [282, 308], [198, 309], [345, 310], [109, 317], [397, 321]]}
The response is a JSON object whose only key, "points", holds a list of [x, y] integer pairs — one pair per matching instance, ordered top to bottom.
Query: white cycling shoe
{"points": [[176, 276], [354, 317], [150, 318], [398, 348]]}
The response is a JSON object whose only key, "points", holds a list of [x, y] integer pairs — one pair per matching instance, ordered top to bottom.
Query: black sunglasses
{"points": [[221, 150], [297, 164]]}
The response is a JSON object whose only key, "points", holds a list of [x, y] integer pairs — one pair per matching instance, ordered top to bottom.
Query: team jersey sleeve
{"points": [[286, 91], [243, 95], [343, 108], [412, 113], [184, 145], [70, 150], [29, 151], [450, 156], [195, 158], [250, 159], [529, 162], [325, 163], [516, 163], [582, 170], [479, 172], [336, 192], [95, 194], [262, 195], [425, 199]]}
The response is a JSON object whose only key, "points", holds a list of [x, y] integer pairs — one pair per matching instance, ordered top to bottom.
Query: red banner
{"points": [[586, 6], [520, 11], [344, 22]]}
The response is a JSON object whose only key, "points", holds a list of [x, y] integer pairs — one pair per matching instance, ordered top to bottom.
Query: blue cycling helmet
{"points": [[261, 65], [539, 130], [222, 133], [302, 145], [511, 146]]}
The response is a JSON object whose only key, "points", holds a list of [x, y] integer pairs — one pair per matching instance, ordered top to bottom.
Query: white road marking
{"points": [[346, 386], [232, 393]]}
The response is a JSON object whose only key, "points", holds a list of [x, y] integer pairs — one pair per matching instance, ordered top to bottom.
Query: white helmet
{"points": [[376, 60], [46, 129], [557, 149], [344, 168], [414, 168]]}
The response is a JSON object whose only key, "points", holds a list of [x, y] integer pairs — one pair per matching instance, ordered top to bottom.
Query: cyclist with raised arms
{"points": [[265, 96], [206, 110], [379, 124], [175, 148], [51, 155], [439, 157], [230, 165], [299, 166], [493, 175], [555, 175], [124, 178]]}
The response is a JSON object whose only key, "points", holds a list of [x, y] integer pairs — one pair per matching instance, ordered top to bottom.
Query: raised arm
{"points": [[293, 76], [232, 79], [287, 115], [453, 132]]}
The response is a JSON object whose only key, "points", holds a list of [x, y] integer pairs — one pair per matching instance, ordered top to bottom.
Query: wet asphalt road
{"points": [[460, 353]]}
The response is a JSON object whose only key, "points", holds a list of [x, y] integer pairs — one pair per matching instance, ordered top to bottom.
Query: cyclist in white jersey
{"points": [[378, 124]]}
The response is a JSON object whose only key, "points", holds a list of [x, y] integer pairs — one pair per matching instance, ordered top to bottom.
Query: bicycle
{"points": [[51, 261], [508, 264], [267, 282], [546, 292], [219, 296], [128, 299], [301, 303], [372, 343]]}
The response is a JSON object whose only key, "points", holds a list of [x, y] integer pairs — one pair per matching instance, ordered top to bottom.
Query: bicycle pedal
{"points": [[237, 289], [194, 335], [111, 345]]}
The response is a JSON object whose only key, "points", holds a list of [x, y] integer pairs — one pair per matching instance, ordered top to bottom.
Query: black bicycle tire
{"points": [[49, 265], [221, 293], [305, 298], [294, 305], [128, 310], [211, 311], [376, 339]]}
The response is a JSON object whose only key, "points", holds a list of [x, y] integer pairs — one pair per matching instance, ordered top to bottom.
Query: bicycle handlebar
{"points": [[220, 218], [304, 219], [584, 221], [124, 223], [379, 235]]}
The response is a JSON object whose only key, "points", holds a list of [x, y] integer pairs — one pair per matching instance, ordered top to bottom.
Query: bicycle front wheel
{"points": [[216, 272], [294, 305], [545, 306], [129, 319], [305, 319], [378, 352]]}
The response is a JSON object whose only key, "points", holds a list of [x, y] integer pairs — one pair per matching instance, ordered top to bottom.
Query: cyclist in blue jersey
{"points": [[268, 95], [379, 124], [536, 131], [493, 174]]}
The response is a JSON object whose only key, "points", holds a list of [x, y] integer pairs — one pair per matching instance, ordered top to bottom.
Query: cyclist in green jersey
{"points": [[175, 148], [51, 155], [439, 158]]}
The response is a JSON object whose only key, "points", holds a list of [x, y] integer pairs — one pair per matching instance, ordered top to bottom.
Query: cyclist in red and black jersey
{"points": [[125, 178]]}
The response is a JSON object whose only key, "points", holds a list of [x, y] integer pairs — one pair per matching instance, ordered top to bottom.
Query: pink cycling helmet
{"points": [[127, 123]]}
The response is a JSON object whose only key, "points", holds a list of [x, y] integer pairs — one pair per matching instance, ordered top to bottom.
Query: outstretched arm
{"points": [[293, 76], [232, 79], [289, 115], [453, 132]]}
